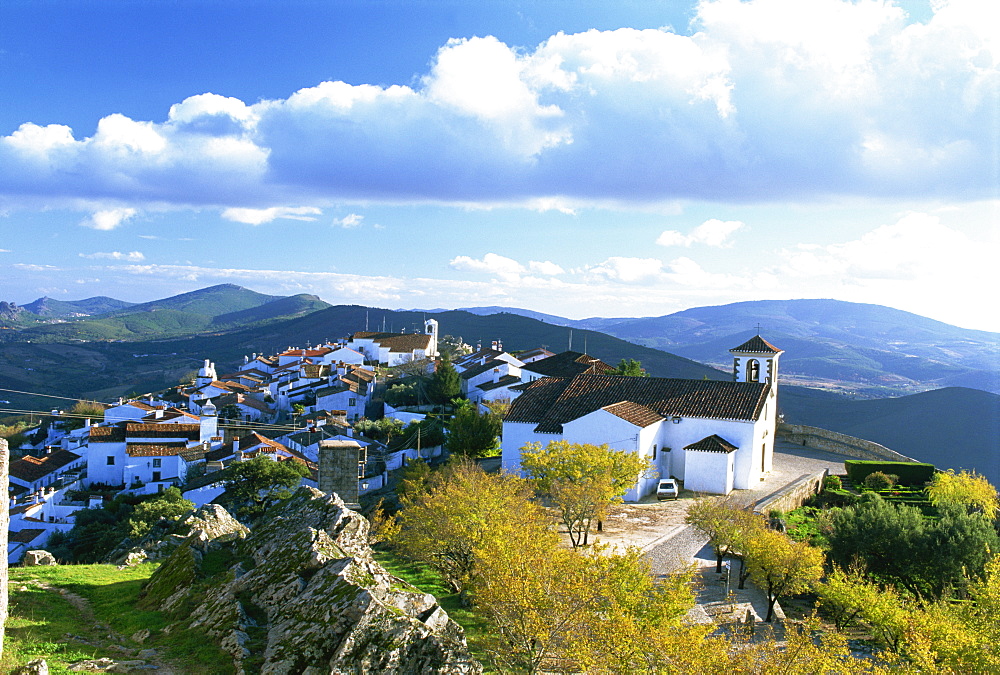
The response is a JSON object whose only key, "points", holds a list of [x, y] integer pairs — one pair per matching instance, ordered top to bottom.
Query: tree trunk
{"points": [[4, 526], [718, 562], [744, 574]]}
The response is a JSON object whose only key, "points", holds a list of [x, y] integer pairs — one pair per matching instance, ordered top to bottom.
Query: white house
{"points": [[393, 349], [713, 435], [133, 452]]}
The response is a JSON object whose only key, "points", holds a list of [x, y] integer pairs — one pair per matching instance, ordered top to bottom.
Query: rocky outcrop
{"points": [[211, 520], [303, 594]]}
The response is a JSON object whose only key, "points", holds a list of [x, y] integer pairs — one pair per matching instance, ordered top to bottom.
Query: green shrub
{"points": [[909, 473], [878, 480], [832, 483], [835, 498]]}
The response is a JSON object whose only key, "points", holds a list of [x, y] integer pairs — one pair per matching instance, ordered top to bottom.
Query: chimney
{"points": [[339, 464]]}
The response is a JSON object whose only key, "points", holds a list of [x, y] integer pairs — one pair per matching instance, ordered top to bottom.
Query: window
{"points": [[753, 371], [352, 401], [654, 452], [111, 460], [157, 462], [156, 476]]}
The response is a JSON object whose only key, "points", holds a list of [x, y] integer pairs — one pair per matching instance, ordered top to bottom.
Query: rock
{"points": [[212, 520], [38, 558], [303, 594], [140, 636], [146, 654], [36, 667]]}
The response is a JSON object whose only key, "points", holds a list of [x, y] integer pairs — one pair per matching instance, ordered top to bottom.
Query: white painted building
{"points": [[715, 436]]}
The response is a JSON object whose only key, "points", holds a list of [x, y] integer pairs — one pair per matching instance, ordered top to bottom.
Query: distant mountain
{"points": [[211, 301], [49, 307], [217, 308], [868, 348], [952, 428]]}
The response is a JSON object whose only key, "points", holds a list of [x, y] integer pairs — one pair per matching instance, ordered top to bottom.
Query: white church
{"points": [[714, 436]]}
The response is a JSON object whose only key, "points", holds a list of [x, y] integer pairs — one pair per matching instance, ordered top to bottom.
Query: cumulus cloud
{"points": [[764, 100], [261, 216], [108, 219], [349, 221], [712, 232], [5, 250], [131, 256], [498, 265], [545, 267], [629, 270]]}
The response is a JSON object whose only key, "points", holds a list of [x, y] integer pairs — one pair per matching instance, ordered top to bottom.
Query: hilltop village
{"points": [[715, 436]]}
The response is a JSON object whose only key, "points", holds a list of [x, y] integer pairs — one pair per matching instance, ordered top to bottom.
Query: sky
{"points": [[580, 158]]}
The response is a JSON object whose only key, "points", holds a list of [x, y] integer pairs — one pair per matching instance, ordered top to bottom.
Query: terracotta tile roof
{"points": [[397, 342], [756, 345], [313, 353], [476, 357], [568, 364], [480, 368], [551, 402], [170, 414], [639, 415], [191, 432], [110, 434], [254, 439], [712, 443], [155, 449], [219, 453], [30, 468], [24, 536]]}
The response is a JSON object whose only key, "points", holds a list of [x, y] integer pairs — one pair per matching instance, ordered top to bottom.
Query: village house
{"points": [[393, 349], [715, 436]]}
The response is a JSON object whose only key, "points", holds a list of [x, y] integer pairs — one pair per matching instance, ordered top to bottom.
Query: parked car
{"points": [[667, 489]]}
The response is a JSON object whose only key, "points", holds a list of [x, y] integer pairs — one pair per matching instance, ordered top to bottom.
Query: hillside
{"points": [[861, 348], [954, 427]]}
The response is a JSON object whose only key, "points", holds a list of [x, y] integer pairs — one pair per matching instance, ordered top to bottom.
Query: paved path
{"points": [[682, 545]]}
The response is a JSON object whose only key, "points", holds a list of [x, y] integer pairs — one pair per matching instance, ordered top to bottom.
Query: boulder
{"points": [[38, 558], [303, 594], [35, 667]]}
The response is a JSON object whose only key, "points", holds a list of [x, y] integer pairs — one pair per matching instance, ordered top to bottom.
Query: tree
{"points": [[451, 347], [631, 368], [445, 383], [82, 410], [231, 411], [472, 434], [581, 479], [258, 483], [967, 489], [169, 504], [459, 510], [726, 523], [896, 544], [781, 567]]}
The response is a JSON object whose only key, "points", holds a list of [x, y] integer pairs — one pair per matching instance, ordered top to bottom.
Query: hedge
{"points": [[910, 473]]}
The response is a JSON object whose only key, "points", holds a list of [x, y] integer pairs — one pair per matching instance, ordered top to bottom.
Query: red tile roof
{"points": [[639, 415], [155, 449], [24, 536]]}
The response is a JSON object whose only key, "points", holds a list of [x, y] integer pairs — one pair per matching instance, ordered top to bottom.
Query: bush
{"points": [[909, 473], [880, 481], [832, 483]]}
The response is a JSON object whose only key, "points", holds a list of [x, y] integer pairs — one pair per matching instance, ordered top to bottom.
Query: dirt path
{"points": [[107, 640]]}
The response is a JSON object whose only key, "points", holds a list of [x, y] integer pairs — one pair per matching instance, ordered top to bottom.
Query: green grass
{"points": [[425, 579], [40, 620]]}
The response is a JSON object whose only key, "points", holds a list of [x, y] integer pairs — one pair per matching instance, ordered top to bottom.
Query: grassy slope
{"points": [[40, 620]]}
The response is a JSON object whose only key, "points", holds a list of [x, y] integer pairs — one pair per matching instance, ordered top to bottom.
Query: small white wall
{"points": [[98, 470], [710, 472]]}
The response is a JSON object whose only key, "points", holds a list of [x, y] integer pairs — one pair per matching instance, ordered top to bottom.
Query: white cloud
{"points": [[766, 100], [261, 216], [109, 219], [349, 221], [712, 232], [5, 250], [131, 256], [28, 267], [546, 267], [504, 268], [628, 270]]}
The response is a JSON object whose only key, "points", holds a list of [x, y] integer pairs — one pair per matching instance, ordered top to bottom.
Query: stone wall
{"points": [[842, 444], [338, 469], [792, 496]]}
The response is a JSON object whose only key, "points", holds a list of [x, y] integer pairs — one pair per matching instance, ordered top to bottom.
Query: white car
{"points": [[667, 489]]}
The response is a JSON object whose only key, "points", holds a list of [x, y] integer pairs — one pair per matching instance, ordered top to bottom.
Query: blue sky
{"points": [[578, 158]]}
